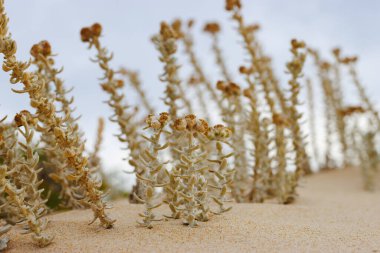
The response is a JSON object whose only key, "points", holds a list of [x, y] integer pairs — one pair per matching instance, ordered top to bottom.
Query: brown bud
{"points": [[231, 4], [212, 28], [96, 29], [86, 34], [46, 47], [35, 50], [180, 124]]}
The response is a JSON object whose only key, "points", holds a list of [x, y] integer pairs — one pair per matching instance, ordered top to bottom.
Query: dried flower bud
{"points": [[231, 4], [177, 28], [212, 28], [96, 29], [167, 32], [86, 34], [297, 44], [46, 47], [35, 50], [24, 117], [164, 118], [190, 120], [153, 122], [180, 124], [201, 126], [219, 132]]}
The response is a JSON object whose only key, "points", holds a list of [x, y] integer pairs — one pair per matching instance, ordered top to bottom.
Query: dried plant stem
{"points": [[213, 29], [186, 38], [165, 43], [294, 68], [135, 82], [111, 85], [363, 96], [45, 111], [233, 116], [312, 119], [257, 136], [280, 140], [94, 160], [153, 167], [21, 185], [70, 193]]}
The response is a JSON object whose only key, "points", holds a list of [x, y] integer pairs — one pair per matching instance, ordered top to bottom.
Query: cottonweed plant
{"points": [[112, 85], [233, 116], [50, 121], [343, 121], [178, 159], [56, 166], [152, 166], [192, 170], [200, 175], [20, 184]]}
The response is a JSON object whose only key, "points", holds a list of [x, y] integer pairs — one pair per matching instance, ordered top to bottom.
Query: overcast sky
{"points": [[129, 24]]}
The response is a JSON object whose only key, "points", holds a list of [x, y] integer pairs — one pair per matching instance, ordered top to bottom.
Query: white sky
{"points": [[129, 24]]}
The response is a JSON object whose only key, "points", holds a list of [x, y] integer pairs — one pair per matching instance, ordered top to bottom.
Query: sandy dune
{"points": [[333, 214]]}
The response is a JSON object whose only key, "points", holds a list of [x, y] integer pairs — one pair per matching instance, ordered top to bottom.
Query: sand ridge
{"points": [[332, 214]]}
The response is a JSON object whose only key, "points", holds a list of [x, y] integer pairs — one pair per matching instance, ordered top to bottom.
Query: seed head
{"points": [[231, 4], [212, 28], [86, 34]]}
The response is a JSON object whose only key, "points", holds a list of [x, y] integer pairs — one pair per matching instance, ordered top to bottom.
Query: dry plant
{"points": [[213, 29], [186, 38], [166, 44], [294, 68], [134, 81], [111, 85], [46, 114], [233, 116], [178, 161], [56, 166], [152, 166], [20, 182]]}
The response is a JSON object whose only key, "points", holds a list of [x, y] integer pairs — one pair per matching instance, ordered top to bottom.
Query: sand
{"points": [[332, 214]]}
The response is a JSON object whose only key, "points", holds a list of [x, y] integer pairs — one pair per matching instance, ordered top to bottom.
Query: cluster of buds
{"points": [[231, 4], [177, 28], [212, 28], [168, 32], [87, 34], [297, 44], [42, 48], [230, 89], [157, 122], [191, 123], [219, 132]]}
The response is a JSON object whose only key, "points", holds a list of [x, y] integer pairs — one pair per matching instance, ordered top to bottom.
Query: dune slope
{"points": [[333, 214]]}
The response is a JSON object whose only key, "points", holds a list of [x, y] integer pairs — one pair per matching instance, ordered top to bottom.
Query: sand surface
{"points": [[333, 214]]}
